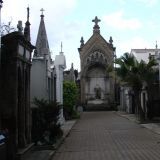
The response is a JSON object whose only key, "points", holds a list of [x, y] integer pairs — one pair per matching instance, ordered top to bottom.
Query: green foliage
{"points": [[133, 72], [70, 94], [44, 121]]}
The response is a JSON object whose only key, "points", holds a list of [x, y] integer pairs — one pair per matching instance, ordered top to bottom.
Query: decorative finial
{"points": [[1, 3], [42, 10], [28, 13], [19, 26], [96, 26], [27, 27], [110, 40], [82, 42], [156, 45], [61, 46], [156, 50], [61, 52], [72, 65]]}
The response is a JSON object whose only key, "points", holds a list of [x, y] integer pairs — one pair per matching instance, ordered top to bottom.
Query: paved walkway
{"points": [[108, 136]]}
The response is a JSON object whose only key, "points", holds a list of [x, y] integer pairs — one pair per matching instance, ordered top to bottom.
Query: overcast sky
{"points": [[131, 23]]}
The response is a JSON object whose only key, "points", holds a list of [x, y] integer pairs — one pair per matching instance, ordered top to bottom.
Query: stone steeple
{"points": [[42, 46]]}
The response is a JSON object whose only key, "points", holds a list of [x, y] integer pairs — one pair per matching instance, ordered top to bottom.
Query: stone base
{"points": [[97, 102], [97, 105]]}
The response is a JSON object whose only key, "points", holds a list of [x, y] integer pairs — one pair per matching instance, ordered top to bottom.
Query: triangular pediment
{"points": [[95, 38], [96, 42], [96, 48]]}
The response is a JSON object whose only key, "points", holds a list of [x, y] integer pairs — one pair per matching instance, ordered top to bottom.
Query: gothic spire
{"points": [[27, 27], [42, 45]]}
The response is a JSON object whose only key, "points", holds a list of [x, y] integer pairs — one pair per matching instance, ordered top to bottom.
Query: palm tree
{"points": [[135, 74]]}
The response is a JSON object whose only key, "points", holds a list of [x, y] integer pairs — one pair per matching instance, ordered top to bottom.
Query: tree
{"points": [[135, 74], [70, 94]]}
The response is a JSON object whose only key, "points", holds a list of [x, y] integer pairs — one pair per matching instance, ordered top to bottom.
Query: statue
{"points": [[97, 92]]}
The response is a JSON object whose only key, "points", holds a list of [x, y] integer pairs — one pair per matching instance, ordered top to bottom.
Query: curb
{"points": [[125, 115], [154, 127], [61, 140], [47, 152]]}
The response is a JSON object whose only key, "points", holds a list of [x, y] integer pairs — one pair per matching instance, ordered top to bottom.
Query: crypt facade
{"points": [[97, 78]]}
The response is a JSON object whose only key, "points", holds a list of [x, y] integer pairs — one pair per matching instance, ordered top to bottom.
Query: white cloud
{"points": [[122, 2], [149, 3], [54, 10], [117, 20], [153, 25], [133, 43]]}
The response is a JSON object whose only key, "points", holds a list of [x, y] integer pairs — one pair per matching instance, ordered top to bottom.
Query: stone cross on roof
{"points": [[42, 10], [96, 20], [96, 26]]}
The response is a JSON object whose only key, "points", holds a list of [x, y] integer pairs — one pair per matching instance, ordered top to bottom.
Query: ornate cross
{"points": [[42, 10], [96, 20]]}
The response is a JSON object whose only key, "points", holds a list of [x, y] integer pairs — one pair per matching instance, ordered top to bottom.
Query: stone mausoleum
{"points": [[97, 78], [15, 111]]}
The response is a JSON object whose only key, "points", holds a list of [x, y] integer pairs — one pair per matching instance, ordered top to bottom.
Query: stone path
{"points": [[108, 136]]}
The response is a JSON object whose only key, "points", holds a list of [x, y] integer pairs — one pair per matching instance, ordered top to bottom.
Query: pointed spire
{"points": [[27, 27], [42, 45], [61, 52]]}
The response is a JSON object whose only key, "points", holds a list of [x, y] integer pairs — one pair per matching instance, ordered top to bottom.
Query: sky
{"points": [[133, 24]]}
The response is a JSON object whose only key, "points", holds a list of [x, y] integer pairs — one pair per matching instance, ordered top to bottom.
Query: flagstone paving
{"points": [[108, 136]]}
